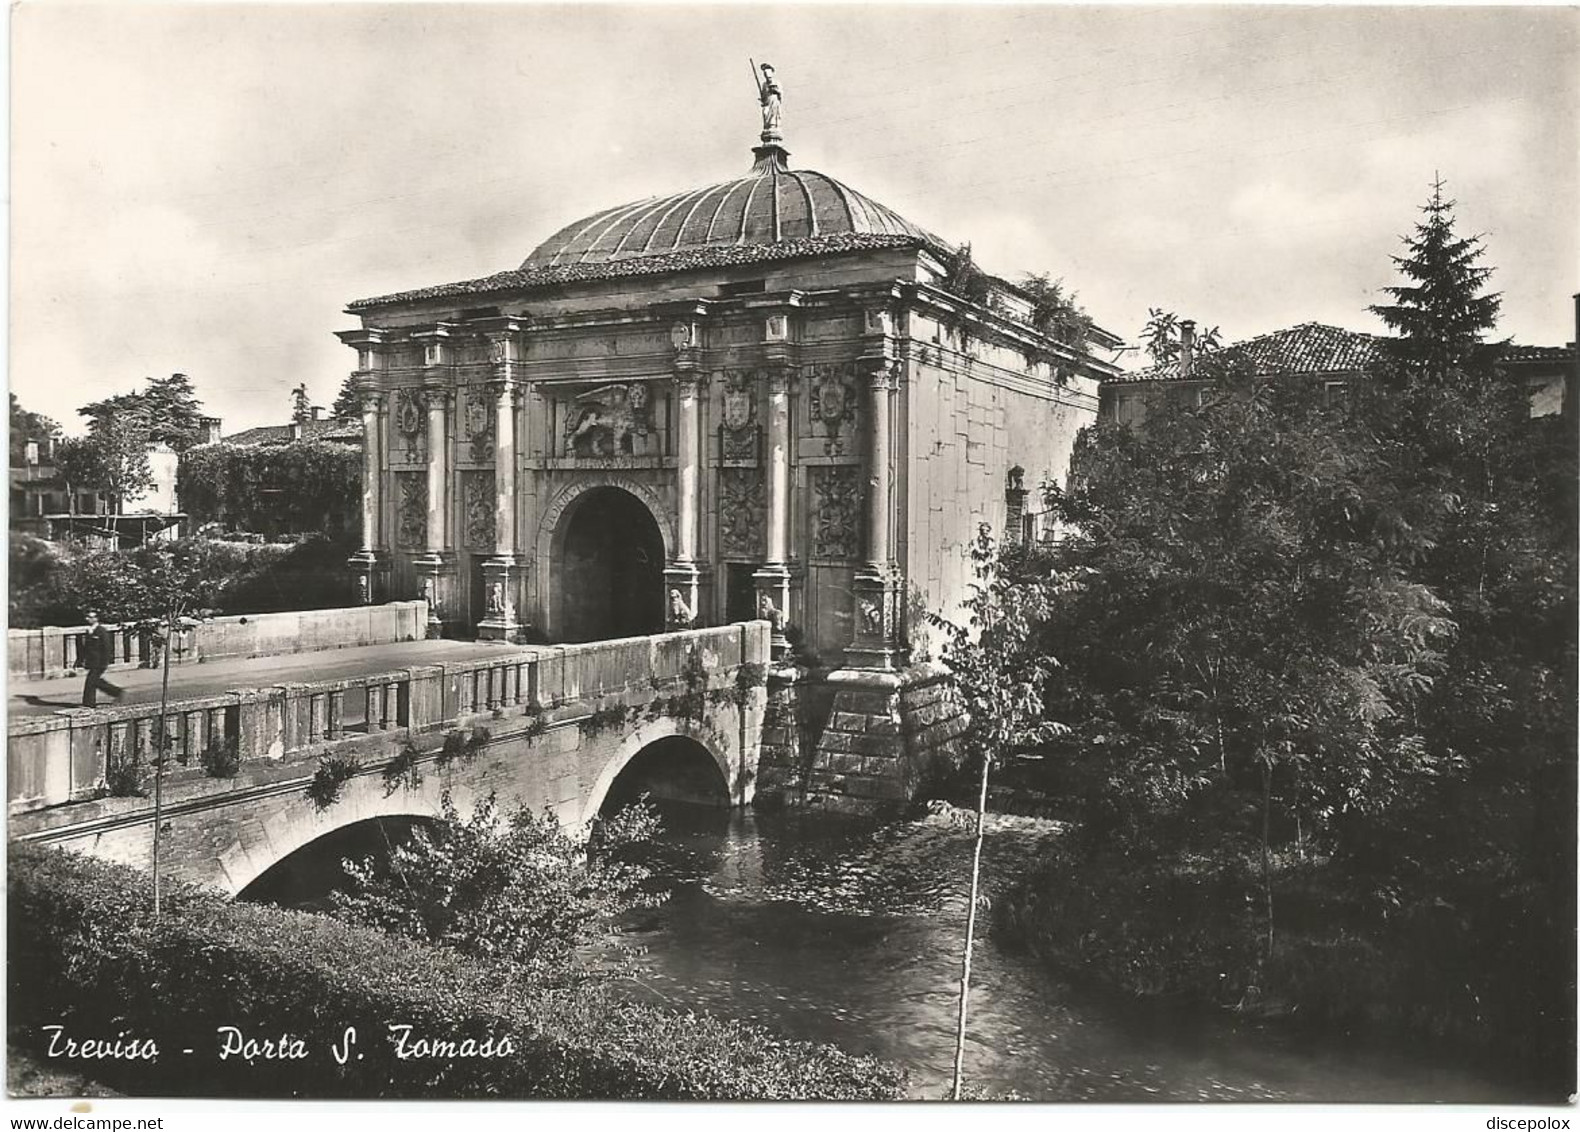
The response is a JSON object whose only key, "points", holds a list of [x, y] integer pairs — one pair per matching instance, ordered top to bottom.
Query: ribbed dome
{"points": [[771, 204]]}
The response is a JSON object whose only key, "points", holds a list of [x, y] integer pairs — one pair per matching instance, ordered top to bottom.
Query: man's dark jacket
{"points": [[97, 648]]}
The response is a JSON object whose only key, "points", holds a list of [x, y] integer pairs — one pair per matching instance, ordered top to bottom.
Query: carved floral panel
{"points": [[832, 391], [409, 419], [478, 421], [738, 432], [477, 501], [741, 506], [411, 510], [836, 513]]}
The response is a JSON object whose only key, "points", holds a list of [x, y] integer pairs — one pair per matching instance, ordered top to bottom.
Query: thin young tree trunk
{"points": [[159, 754], [1267, 860], [971, 925]]}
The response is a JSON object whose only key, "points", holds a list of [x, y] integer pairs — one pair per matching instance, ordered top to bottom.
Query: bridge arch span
{"points": [[679, 746], [261, 845]]}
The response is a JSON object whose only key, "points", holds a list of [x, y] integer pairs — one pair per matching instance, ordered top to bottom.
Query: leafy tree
{"points": [[964, 278], [1055, 312], [1163, 336], [27, 426], [118, 440], [79, 465], [1244, 659], [1323, 659], [1001, 677], [510, 886]]}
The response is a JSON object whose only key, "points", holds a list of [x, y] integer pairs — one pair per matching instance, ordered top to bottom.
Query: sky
{"points": [[202, 188]]}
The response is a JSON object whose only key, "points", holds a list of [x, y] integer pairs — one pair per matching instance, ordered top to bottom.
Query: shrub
{"points": [[221, 758], [507, 885], [85, 955]]}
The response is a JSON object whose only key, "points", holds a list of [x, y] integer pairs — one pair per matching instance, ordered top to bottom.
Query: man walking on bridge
{"points": [[96, 650]]}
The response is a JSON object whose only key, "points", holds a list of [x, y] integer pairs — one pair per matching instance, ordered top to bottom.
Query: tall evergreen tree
{"points": [[1439, 312], [301, 404], [347, 406], [173, 412]]}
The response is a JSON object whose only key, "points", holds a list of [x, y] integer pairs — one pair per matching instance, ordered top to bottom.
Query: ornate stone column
{"points": [[369, 566], [436, 568], [502, 572], [681, 575], [772, 579], [875, 641]]}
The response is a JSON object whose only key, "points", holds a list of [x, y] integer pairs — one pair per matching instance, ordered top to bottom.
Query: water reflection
{"points": [[849, 932]]}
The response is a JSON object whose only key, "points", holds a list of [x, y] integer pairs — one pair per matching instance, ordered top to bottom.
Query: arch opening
{"points": [[609, 568], [674, 772], [306, 878]]}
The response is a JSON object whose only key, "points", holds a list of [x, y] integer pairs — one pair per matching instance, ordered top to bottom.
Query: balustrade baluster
{"points": [[336, 708], [373, 709], [315, 717], [192, 736]]}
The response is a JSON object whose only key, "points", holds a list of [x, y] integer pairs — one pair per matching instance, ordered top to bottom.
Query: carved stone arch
{"points": [[650, 496], [552, 527]]}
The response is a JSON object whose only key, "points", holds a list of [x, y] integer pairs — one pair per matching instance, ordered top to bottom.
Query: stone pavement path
{"points": [[189, 681]]}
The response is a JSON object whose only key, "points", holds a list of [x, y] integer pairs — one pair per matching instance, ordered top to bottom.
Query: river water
{"points": [[850, 932]]}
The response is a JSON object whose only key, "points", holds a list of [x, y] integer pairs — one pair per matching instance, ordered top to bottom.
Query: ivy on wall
{"points": [[306, 485]]}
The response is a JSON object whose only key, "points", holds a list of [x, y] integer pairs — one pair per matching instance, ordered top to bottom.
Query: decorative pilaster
{"points": [[369, 565], [436, 568], [501, 573], [681, 576], [772, 579], [875, 642]]}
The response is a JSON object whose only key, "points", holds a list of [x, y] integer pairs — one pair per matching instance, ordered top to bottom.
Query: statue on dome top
{"points": [[769, 95]]}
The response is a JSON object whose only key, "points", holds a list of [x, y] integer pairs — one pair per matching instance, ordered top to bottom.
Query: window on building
{"points": [[1335, 393]]}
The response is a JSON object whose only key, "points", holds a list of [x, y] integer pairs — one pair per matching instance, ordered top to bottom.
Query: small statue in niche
{"points": [[364, 593], [430, 594], [496, 597], [769, 612], [681, 615], [872, 617]]}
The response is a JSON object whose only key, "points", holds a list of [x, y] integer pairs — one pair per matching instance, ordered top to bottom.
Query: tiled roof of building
{"points": [[770, 205], [525, 278], [1308, 349], [1515, 353], [347, 430]]}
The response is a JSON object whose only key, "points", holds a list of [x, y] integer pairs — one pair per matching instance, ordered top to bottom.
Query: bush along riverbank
{"points": [[1482, 974], [274, 1003]]}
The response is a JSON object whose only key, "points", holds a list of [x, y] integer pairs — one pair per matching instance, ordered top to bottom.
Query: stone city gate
{"points": [[556, 727]]}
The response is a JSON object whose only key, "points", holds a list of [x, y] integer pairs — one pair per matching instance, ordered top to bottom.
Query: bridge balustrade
{"points": [[70, 755]]}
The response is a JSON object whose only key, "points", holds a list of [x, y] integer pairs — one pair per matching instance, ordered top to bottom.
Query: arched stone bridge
{"points": [[559, 727]]}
